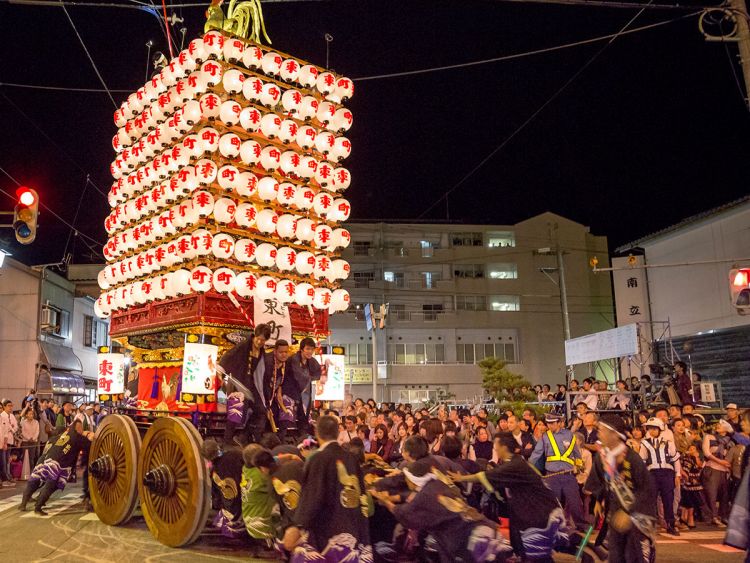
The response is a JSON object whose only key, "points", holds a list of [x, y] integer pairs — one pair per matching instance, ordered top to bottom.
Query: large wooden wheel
{"points": [[112, 463], [173, 482]]}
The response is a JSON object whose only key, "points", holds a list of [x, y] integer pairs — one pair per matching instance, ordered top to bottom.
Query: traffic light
{"points": [[25, 215], [739, 286]]}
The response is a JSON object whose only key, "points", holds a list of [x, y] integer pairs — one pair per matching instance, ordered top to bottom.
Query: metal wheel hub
{"points": [[103, 469], [160, 481]]}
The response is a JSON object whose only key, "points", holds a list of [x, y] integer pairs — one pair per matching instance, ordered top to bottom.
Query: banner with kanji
{"points": [[276, 315], [110, 376]]}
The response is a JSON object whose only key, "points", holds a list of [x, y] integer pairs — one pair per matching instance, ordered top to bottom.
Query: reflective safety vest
{"points": [[564, 457]]}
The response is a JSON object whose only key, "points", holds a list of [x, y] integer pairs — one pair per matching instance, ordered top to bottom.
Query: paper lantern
{"points": [[213, 43], [232, 50], [252, 56], [271, 63], [289, 70], [308, 74], [325, 83], [344, 88], [252, 89], [270, 95], [291, 100], [210, 105], [308, 107], [326, 112], [229, 113], [250, 119], [342, 120], [270, 124], [287, 131], [306, 137], [209, 139], [324, 142], [192, 145], [229, 145], [342, 148], [250, 152], [270, 158], [289, 162], [307, 167], [205, 171], [228, 177], [341, 179], [247, 184], [268, 188], [286, 194], [203, 203], [322, 203], [224, 210], [340, 211], [184, 214], [245, 215], [266, 220], [166, 222], [286, 226], [305, 229], [323, 238], [341, 238], [201, 241], [222, 246], [185, 249], [244, 250], [265, 255], [285, 259], [305, 263], [323, 268], [340, 269], [101, 279], [200, 279], [223, 280], [179, 282], [245, 284], [160, 287], [266, 288], [144, 291], [285, 291], [304, 294], [322, 299], [339, 300], [99, 310]]}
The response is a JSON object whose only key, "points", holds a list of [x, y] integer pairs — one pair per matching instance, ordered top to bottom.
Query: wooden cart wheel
{"points": [[113, 460], [173, 482]]}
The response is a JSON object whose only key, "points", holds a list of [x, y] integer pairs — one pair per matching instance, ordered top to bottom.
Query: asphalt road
{"points": [[70, 534]]}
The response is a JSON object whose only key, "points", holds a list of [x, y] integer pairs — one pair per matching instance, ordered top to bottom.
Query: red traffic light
{"points": [[26, 196], [741, 278]]}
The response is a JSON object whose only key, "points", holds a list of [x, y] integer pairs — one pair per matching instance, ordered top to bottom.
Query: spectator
{"points": [[683, 384], [561, 393], [588, 396], [602, 399], [620, 400], [674, 411], [483, 417], [733, 417], [64, 418], [45, 423], [502, 423], [349, 431], [363, 433], [590, 433], [30, 435], [523, 438], [636, 438], [683, 438], [7, 441], [398, 444], [382, 445], [482, 447], [734, 457], [716, 472], [691, 488]]}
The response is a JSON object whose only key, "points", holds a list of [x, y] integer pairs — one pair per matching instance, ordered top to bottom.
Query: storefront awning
{"points": [[60, 357], [55, 382]]}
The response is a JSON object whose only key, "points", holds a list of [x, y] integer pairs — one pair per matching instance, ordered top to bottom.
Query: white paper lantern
{"points": [[213, 43], [232, 50], [252, 56], [271, 63], [290, 70], [308, 74], [325, 83], [344, 88], [252, 89], [270, 95], [291, 100], [210, 105], [308, 108], [326, 112], [229, 113], [250, 119], [342, 120], [270, 124], [287, 131], [306, 137], [209, 139], [324, 142], [192, 145], [229, 145], [342, 148], [250, 152], [289, 162], [307, 168], [206, 171], [228, 177], [341, 180], [247, 184], [268, 188], [286, 194], [203, 203], [322, 203], [224, 210], [340, 211], [184, 214], [246, 215], [266, 220], [166, 222], [286, 226], [323, 236], [342, 238], [202, 242], [222, 246], [185, 249], [244, 250], [265, 255], [286, 258], [305, 263], [323, 268], [340, 269], [101, 278], [200, 279], [223, 280], [179, 282], [161, 284], [245, 284], [266, 288], [286, 291], [304, 294], [322, 299], [339, 300]]}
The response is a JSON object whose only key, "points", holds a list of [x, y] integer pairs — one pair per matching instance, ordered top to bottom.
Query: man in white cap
{"points": [[733, 417], [663, 463]]}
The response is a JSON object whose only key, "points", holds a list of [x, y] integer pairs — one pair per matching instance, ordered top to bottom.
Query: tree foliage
{"points": [[504, 385]]}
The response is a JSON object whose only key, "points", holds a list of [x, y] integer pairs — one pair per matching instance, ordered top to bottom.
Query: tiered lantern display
{"points": [[229, 178]]}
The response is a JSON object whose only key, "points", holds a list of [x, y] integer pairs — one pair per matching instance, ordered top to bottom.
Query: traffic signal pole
{"points": [[739, 8]]}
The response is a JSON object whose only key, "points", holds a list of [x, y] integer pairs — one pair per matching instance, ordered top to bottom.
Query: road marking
{"points": [[10, 502], [56, 506], [91, 516], [698, 535], [671, 541], [721, 547]]}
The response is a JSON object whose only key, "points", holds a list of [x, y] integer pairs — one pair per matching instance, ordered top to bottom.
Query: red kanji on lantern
{"points": [[211, 68], [209, 136], [206, 170], [228, 173], [202, 199], [324, 235], [200, 275], [105, 368]]}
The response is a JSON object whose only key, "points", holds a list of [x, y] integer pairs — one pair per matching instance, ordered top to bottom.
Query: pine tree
{"points": [[504, 385]]}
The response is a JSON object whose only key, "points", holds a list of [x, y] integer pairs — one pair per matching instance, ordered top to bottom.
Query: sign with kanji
{"points": [[631, 306], [275, 314], [199, 368], [110, 376], [333, 390]]}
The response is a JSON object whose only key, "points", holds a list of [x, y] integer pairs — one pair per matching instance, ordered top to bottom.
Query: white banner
{"points": [[631, 291], [275, 315], [614, 343], [199, 368], [110, 374], [333, 390], [708, 392]]}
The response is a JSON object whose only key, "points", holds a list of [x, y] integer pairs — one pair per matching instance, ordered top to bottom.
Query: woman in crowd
{"points": [[620, 400], [30, 435], [401, 436], [636, 437], [382, 444], [482, 446], [716, 472]]}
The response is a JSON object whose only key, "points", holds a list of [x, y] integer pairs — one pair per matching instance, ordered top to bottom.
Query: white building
{"points": [[692, 291], [460, 293]]}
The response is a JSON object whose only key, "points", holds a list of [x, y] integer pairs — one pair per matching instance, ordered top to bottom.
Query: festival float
{"points": [[227, 210]]}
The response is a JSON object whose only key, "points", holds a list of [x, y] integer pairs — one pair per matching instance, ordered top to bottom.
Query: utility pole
{"points": [[739, 9], [563, 292], [374, 321]]}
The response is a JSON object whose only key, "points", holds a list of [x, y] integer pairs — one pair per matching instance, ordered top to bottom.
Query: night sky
{"points": [[653, 131]]}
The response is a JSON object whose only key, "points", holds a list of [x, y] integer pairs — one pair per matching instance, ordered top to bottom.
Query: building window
{"points": [[467, 239], [501, 239], [362, 247], [428, 248], [468, 270], [506, 271], [396, 278], [363, 279], [429, 279], [471, 303], [505, 303], [398, 310], [431, 311], [56, 321], [94, 332], [435, 353], [465, 353], [474, 353], [359, 354], [409, 354]]}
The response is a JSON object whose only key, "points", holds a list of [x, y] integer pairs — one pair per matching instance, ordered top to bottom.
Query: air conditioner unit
{"points": [[46, 318]]}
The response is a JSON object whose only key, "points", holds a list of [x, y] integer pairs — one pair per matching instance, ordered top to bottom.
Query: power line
{"points": [[134, 6], [93, 64], [63, 88], [539, 110]]}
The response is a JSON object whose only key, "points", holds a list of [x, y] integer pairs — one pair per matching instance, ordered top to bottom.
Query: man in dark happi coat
{"points": [[243, 362], [306, 370], [280, 391], [226, 474], [287, 478], [333, 507]]}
